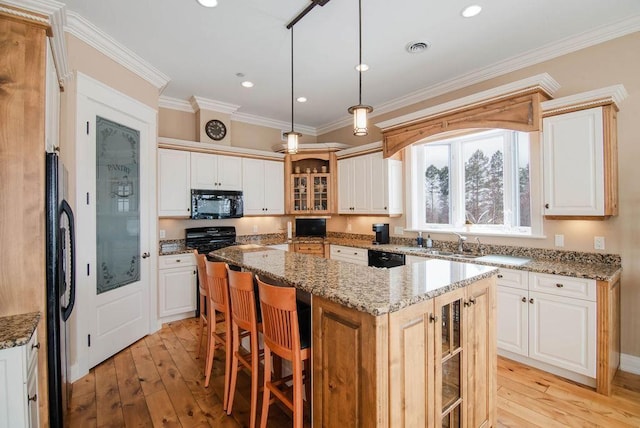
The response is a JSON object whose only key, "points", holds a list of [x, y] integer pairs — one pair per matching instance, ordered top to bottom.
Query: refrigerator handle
{"points": [[66, 209]]}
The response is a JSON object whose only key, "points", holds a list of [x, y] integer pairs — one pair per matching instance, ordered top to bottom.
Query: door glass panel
{"points": [[300, 193], [320, 199], [117, 205], [446, 322], [455, 324], [450, 381], [452, 419]]}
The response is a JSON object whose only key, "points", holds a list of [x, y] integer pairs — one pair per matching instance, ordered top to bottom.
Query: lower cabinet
{"points": [[359, 256], [177, 282], [555, 327], [430, 364], [19, 385]]}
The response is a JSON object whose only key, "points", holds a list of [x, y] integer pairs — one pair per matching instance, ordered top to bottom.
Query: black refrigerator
{"points": [[60, 267]]}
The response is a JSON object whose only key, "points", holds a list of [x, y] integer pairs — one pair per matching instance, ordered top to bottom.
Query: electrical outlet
{"points": [[348, 227], [255, 228], [398, 230], [163, 233], [559, 240], [598, 242]]}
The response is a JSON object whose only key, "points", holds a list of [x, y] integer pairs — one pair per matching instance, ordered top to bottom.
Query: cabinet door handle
{"points": [[546, 206], [385, 208], [146, 255], [178, 261], [194, 272], [499, 275], [559, 285], [524, 300], [531, 300], [433, 318], [35, 345], [33, 398]]}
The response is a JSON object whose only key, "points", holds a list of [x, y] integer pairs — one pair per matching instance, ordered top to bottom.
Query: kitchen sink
{"points": [[504, 260]]}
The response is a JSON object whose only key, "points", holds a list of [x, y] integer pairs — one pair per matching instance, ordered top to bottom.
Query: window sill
{"points": [[489, 233]]}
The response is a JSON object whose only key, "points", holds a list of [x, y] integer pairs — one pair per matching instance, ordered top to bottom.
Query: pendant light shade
{"points": [[360, 111], [292, 136]]}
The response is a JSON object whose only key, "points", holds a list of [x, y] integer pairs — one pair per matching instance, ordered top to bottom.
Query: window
{"points": [[477, 183]]}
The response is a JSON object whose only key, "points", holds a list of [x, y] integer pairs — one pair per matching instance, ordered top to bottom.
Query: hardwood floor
{"points": [[159, 382]]}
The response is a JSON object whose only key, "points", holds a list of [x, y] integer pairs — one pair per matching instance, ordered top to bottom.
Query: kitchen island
{"points": [[407, 346]]}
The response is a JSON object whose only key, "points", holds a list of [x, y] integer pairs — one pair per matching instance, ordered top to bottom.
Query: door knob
{"points": [[146, 255]]}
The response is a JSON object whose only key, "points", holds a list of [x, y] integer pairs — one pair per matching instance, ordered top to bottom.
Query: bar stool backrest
{"points": [[201, 261], [218, 284], [243, 300], [280, 319]]}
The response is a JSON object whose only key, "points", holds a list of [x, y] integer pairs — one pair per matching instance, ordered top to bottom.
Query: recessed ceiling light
{"points": [[208, 3], [471, 11], [417, 46], [361, 67], [247, 84], [301, 99]]}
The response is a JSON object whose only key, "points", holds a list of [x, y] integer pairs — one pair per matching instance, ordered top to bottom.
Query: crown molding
{"points": [[56, 19], [98, 39], [532, 57], [543, 81], [611, 94], [204, 103], [175, 104], [272, 123], [174, 143], [312, 147], [359, 150]]}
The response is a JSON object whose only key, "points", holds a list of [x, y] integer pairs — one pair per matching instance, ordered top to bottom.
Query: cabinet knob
{"points": [[546, 206], [385, 208], [146, 255], [178, 261], [194, 272], [500, 275], [559, 285], [524, 300], [531, 300], [433, 318], [36, 345], [33, 398]]}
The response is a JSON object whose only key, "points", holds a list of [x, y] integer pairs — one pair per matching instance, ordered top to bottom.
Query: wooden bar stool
{"points": [[201, 261], [218, 301], [244, 316], [286, 333]]}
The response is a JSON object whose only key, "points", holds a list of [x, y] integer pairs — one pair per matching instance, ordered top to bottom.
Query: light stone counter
{"points": [[366, 289], [16, 330]]}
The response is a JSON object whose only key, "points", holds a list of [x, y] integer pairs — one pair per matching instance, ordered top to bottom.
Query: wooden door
{"points": [[481, 355], [412, 367]]}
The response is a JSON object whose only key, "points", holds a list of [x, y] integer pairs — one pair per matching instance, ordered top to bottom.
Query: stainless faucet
{"points": [[461, 240], [480, 246]]}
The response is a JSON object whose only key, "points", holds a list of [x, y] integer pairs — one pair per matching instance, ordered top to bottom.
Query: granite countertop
{"points": [[578, 268], [366, 289], [16, 330]]}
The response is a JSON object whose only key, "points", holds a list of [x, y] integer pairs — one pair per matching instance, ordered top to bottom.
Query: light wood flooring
{"points": [[159, 382]]}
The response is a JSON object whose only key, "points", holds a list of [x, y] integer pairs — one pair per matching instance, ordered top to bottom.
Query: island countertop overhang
{"points": [[366, 289]]}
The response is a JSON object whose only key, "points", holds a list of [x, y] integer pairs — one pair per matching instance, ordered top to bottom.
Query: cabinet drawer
{"points": [[309, 248], [339, 251], [176, 260], [513, 278], [580, 288]]}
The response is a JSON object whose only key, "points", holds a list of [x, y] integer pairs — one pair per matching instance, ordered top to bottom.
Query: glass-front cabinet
{"points": [[311, 183]]}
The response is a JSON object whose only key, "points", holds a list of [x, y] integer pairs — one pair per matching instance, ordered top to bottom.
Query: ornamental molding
{"points": [[609, 95]]}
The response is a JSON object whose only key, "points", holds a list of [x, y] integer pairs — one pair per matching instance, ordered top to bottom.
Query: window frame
{"points": [[415, 183]]}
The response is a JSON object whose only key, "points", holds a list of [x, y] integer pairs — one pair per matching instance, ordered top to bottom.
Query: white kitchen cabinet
{"points": [[580, 163], [216, 172], [369, 184], [262, 187], [174, 190], [283, 247], [359, 256], [409, 259], [177, 282], [548, 318], [19, 385]]}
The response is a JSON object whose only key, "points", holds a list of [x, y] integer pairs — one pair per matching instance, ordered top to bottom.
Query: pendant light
{"points": [[360, 111], [292, 136]]}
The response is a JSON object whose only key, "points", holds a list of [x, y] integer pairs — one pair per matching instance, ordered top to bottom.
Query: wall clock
{"points": [[215, 129]]}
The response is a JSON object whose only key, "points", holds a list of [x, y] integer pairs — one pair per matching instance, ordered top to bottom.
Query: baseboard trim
{"points": [[630, 363]]}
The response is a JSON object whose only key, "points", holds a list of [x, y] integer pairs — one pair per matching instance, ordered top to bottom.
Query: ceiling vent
{"points": [[417, 47]]}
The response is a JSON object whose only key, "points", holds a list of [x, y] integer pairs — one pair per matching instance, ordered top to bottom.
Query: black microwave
{"points": [[214, 204]]}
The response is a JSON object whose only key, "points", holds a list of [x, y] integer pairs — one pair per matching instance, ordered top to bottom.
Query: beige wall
{"points": [[592, 68], [177, 124]]}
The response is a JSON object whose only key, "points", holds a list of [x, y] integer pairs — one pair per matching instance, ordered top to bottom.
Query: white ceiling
{"points": [[202, 49]]}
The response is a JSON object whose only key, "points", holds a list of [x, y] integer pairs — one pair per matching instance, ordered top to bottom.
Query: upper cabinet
{"points": [[581, 154], [216, 172], [310, 183], [369, 184], [263, 187], [174, 190]]}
